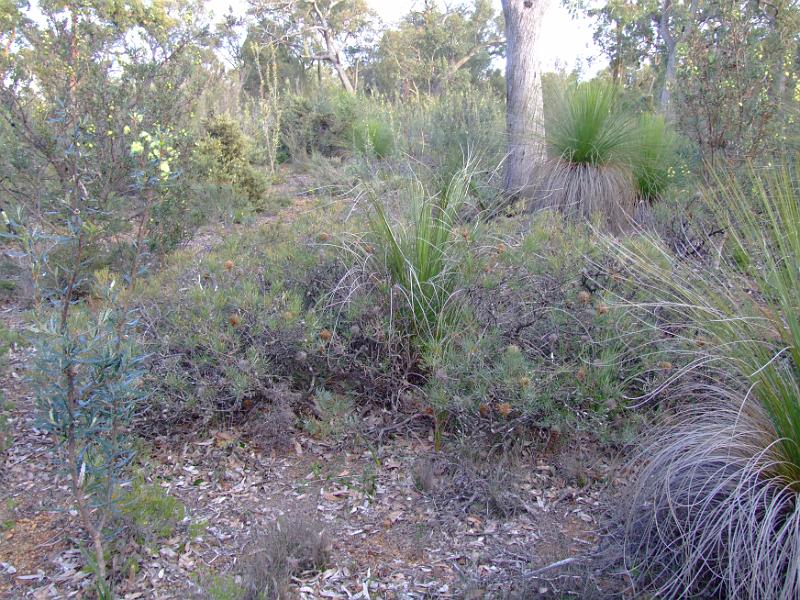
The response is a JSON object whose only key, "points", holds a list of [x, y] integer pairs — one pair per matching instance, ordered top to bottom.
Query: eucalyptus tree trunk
{"points": [[671, 41], [334, 56], [524, 109]]}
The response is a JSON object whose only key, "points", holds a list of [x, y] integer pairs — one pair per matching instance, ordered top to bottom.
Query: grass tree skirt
{"points": [[584, 191]]}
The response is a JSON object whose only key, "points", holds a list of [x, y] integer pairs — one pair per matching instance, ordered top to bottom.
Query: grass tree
{"points": [[591, 148], [716, 509]]}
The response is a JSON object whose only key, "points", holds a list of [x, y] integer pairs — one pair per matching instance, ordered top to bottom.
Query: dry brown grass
{"points": [[585, 191]]}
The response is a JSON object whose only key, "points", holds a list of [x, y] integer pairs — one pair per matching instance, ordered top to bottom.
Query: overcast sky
{"points": [[567, 42]]}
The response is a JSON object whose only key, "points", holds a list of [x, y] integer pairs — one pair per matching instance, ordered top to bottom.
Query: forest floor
{"points": [[396, 528]]}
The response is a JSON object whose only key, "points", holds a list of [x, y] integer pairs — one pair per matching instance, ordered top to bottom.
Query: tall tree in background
{"points": [[676, 21], [324, 28], [434, 47], [722, 70], [524, 108]]}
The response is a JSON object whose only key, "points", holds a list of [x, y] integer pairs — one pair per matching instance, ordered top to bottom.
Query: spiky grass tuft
{"points": [[589, 126], [591, 142], [417, 255], [716, 510]]}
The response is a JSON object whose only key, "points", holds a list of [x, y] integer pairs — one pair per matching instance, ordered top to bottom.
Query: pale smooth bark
{"points": [[671, 41], [524, 109]]}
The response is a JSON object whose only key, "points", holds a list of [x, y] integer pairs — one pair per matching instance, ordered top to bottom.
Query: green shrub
{"points": [[319, 123], [589, 126], [442, 132], [373, 136], [222, 156], [655, 162], [227, 326], [7, 339], [537, 349], [715, 510], [150, 511]]}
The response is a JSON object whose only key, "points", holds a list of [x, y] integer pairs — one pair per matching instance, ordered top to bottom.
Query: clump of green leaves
{"points": [[320, 123], [588, 125], [374, 136], [591, 143], [222, 156], [655, 162], [418, 256], [229, 325], [7, 339], [541, 346], [333, 415], [151, 512]]}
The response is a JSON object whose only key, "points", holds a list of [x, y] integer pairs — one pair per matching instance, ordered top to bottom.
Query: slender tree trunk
{"points": [[671, 46], [335, 58], [617, 64], [524, 109]]}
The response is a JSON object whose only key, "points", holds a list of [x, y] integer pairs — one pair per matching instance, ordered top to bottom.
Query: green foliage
{"points": [[436, 49], [319, 123], [587, 125], [443, 132], [374, 136], [591, 139], [223, 157], [656, 160], [765, 227], [418, 257], [228, 325], [7, 339], [537, 349], [86, 371], [333, 415], [152, 512], [222, 587]]}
